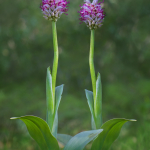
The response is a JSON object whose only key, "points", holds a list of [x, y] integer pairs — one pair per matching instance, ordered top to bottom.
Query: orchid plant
{"points": [[45, 132]]}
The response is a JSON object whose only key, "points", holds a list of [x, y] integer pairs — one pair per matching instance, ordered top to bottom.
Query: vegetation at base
{"points": [[122, 56], [74, 116]]}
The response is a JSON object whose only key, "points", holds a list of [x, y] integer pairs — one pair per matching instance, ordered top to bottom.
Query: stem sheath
{"points": [[55, 61]]}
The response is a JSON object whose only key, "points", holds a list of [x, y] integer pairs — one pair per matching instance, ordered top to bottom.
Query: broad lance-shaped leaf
{"points": [[58, 93], [89, 96], [49, 100], [98, 103], [40, 132], [35, 133], [108, 136], [63, 138], [79, 141]]}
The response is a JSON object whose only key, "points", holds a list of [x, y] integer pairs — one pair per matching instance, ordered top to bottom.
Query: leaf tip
{"points": [[48, 69], [98, 75], [14, 118], [130, 119], [133, 120], [100, 130]]}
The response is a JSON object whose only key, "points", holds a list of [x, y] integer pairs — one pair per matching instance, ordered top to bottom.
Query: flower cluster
{"points": [[52, 9], [92, 14]]}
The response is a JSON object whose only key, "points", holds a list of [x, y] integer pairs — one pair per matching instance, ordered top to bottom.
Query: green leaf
{"points": [[58, 93], [89, 96], [49, 100], [98, 103], [93, 125], [55, 126], [40, 132], [108, 136], [63, 138], [79, 141]]}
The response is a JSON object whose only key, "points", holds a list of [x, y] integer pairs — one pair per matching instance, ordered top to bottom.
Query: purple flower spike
{"points": [[52, 9], [92, 14]]}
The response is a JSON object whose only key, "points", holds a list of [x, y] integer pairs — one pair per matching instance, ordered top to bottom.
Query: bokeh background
{"points": [[122, 56]]}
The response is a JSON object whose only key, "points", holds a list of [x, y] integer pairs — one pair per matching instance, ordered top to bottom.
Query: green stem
{"points": [[55, 62], [91, 63]]}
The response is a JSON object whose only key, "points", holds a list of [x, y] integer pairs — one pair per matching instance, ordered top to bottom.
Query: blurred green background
{"points": [[122, 56]]}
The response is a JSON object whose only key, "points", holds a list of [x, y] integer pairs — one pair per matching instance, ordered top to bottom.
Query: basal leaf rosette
{"points": [[53, 9], [92, 14]]}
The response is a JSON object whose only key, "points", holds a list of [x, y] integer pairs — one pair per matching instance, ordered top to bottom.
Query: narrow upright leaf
{"points": [[58, 93], [89, 96], [50, 100], [98, 103], [93, 125], [55, 126], [40, 132], [108, 136], [63, 138], [79, 141]]}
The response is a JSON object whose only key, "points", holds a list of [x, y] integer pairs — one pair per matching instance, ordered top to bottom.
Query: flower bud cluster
{"points": [[53, 9], [92, 14]]}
